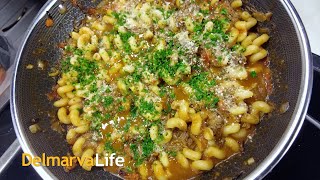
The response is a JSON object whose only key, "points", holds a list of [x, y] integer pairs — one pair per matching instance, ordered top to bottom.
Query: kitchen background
{"points": [[300, 162]]}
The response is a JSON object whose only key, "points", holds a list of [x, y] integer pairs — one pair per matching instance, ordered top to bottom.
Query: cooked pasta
{"points": [[174, 87]]}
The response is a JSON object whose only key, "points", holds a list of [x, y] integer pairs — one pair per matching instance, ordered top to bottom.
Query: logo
{"points": [[65, 161]]}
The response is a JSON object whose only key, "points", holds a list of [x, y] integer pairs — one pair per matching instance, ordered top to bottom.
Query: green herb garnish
{"points": [[224, 11], [121, 18], [253, 74], [202, 85], [107, 101], [108, 147]]}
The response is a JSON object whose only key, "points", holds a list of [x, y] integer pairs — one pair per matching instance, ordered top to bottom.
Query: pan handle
{"points": [[316, 63], [316, 68], [313, 121], [9, 155]]}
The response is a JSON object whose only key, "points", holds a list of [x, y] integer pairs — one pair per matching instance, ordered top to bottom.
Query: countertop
{"points": [[310, 15]]}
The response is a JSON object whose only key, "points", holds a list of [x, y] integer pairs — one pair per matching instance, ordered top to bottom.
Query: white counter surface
{"points": [[309, 11]]}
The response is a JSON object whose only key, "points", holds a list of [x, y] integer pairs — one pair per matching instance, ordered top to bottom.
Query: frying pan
{"points": [[292, 75]]}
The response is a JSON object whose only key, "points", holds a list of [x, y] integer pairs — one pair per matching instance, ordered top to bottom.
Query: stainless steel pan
{"points": [[292, 74]]}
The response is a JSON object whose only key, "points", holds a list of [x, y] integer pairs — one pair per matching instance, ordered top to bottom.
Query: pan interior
{"points": [[31, 87]]}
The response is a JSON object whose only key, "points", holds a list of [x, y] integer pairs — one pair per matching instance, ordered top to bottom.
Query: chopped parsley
{"points": [[224, 11], [204, 12], [166, 13], [121, 18], [198, 28], [216, 34], [125, 39], [68, 48], [238, 48], [78, 52], [160, 64], [65, 65], [86, 71], [253, 74], [202, 87], [108, 101], [146, 107], [121, 108], [133, 111], [107, 116], [96, 121], [127, 125], [108, 147], [146, 149], [172, 153], [136, 155], [129, 169]]}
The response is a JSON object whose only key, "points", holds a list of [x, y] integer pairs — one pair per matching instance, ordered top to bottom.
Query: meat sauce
{"points": [[176, 66]]}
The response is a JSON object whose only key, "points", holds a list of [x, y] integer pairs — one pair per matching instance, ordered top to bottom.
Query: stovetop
{"points": [[300, 162]]}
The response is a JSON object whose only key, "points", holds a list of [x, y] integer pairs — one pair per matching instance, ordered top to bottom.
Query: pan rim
{"points": [[302, 104], [266, 165], [44, 172]]}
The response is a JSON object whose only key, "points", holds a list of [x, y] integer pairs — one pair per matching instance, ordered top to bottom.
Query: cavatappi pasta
{"points": [[173, 86]]}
